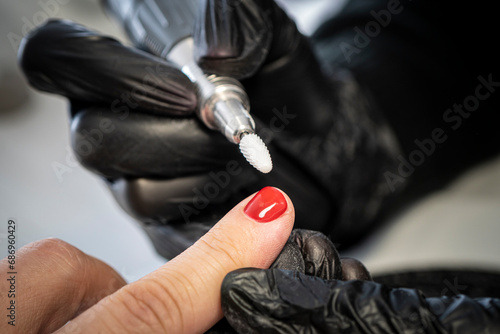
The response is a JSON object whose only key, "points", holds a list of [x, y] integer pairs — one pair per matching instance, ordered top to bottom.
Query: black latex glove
{"points": [[417, 68], [133, 124], [307, 252], [310, 290]]}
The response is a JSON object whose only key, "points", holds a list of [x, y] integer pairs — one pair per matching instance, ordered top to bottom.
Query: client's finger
{"points": [[54, 282], [183, 296]]}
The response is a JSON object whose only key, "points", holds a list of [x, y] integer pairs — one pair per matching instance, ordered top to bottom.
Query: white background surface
{"points": [[457, 226]]}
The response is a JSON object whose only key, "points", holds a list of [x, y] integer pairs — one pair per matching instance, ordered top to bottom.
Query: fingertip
{"points": [[267, 205], [266, 219], [236, 241], [353, 269]]}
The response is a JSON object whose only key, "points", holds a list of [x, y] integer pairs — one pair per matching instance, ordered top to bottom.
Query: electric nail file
{"points": [[165, 28]]}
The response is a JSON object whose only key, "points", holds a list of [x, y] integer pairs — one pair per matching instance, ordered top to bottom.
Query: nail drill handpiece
{"points": [[165, 29]]}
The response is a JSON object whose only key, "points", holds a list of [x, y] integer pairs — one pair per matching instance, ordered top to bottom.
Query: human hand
{"points": [[133, 124], [58, 283], [310, 289]]}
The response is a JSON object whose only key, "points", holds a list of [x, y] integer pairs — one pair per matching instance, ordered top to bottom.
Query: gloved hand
{"points": [[133, 124], [310, 290]]}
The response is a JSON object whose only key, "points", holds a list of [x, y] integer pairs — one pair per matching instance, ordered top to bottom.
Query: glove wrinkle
{"points": [[311, 253], [321, 259], [281, 301], [462, 314]]}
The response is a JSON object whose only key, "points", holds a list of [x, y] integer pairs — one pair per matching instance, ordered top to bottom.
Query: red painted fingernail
{"points": [[267, 205]]}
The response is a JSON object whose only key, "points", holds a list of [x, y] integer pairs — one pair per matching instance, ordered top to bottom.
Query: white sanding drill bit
{"points": [[223, 105], [256, 153]]}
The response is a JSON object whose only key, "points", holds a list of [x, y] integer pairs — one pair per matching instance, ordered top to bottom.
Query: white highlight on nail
{"points": [[263, 213]]}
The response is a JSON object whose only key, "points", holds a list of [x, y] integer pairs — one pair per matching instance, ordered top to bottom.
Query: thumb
{"points": [[183, 296]]}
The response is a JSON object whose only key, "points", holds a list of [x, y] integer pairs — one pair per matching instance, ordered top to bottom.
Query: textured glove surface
{"points": [[288, 298]]}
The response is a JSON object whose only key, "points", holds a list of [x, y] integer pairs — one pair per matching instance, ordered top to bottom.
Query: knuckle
{"points": [[53, 246], [59, 256]]}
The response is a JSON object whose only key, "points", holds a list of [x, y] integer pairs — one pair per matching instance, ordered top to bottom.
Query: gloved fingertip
{"points": [[320, 255], [353, 269]]}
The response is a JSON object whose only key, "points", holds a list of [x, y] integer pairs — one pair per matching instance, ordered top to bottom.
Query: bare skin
{"points": [[60, 283]]}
